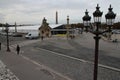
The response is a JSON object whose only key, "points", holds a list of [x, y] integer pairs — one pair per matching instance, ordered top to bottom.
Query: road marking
{"points": [[82, 60], [108, 67], [47, 68]]}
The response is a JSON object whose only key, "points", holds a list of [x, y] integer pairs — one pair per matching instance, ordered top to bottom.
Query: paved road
{"points": [[77, 50], [59, 58], [68, 66], [27, 69]]}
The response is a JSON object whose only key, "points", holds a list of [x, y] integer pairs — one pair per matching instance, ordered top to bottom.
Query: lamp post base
{"points": [[97, 38], [8, 50]]}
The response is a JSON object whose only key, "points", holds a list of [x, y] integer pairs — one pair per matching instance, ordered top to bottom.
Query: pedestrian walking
{"points": [[42, 37], [0, 45], [18, 49]]}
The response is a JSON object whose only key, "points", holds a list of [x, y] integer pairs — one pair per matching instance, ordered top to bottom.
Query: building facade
{"points": [[45, 29]]}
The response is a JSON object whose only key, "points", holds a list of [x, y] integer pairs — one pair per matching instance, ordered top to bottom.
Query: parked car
{"points": [[116, 31], [4, 33], [17, 35]]}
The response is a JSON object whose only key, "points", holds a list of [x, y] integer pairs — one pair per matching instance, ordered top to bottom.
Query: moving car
{"points": [[32, 35]]}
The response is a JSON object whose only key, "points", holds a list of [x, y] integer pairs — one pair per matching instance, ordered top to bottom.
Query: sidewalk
{"points": [[5, 73]]}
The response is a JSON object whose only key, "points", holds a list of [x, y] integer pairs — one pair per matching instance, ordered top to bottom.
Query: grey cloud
{"points": [[9, 3], [43, 7], [1, 17]]}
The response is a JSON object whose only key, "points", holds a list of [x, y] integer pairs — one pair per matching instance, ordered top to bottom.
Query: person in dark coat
{"points": [[42, 37], [0, 45], [18, 49]]}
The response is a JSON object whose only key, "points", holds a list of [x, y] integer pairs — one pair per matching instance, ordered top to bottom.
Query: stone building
{"points": [[45, 29]]}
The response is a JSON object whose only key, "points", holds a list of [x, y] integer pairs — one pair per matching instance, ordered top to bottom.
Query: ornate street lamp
{"points": [[97, 17], [110, 17], [97, 20], [86, 21], [67, 26], [15, 27], [7, 30]]}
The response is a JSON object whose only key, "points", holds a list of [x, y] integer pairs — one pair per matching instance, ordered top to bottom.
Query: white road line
{"points": [[82, 60], [44, 67], [108, 67], [47, 68]]}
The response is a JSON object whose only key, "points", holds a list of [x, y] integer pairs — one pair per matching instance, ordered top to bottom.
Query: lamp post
{"points": [[110, 17], [97, 20], [15, 27], [67, 27], [7, 36]]}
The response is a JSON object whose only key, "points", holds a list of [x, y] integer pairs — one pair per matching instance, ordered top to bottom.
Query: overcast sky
{"points": [[33, 11]]}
